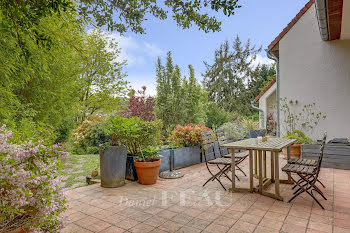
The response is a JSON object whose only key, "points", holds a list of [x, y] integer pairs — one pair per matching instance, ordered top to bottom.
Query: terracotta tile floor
{"points": [[183, 205]]}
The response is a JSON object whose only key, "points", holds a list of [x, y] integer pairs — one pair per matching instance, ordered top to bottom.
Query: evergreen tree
{"points": [[226, 79], [193, 97], [176, 100], [179, 101]]}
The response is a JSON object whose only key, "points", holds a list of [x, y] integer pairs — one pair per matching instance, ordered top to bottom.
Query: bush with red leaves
{"points": [[188, 135]]}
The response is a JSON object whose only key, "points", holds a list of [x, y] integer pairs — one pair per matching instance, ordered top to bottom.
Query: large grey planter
{"points": [[254, 133], [187, 156], [335, 156], [183, 157], [112, 165], [165, 165]]}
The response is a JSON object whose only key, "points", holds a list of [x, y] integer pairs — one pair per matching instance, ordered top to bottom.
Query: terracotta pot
{"points": [[295, 151], [147, 171]]}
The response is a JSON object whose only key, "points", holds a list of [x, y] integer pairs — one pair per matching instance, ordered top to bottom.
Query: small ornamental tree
{"points": [[141, 106]]}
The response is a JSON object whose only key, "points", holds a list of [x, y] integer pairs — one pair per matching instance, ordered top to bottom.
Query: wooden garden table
{"points": [[274, 145]]}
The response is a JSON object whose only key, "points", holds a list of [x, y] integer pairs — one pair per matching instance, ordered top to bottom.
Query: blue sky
{"points": [[258, 20]]}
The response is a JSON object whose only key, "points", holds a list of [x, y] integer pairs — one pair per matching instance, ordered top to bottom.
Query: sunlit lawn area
{"points": [[76, 168]]}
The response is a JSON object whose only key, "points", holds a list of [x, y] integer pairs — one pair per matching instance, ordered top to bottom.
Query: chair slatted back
{"points": [[221, 136], [207, 144], [319, 162]]}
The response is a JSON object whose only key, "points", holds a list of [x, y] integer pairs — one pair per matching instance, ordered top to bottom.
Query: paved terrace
{"points": [[183, 205]]}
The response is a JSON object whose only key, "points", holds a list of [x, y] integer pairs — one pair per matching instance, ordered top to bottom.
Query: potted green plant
{"points": [[299, 120], [253, 128], [135, 134], [295, 149], [147, 165]]}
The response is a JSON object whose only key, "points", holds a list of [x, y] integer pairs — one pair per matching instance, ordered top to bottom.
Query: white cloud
{"points": [[153, 50], [133, 51], [261, 60], [149, 81]]}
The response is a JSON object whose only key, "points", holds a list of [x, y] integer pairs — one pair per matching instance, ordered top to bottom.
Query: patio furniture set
{"points": [[256, 151]]}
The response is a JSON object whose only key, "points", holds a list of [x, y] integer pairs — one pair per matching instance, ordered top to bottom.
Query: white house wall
{"points": [[315, 71], [267, 101]]}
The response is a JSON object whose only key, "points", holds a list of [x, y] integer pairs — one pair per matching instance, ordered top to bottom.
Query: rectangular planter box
{"points": [[187, 156], [335, 156], [183, 157], [165, 165]]}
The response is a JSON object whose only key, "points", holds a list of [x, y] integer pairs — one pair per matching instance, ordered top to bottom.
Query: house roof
{"points": [[291, 24], [256, 100]]}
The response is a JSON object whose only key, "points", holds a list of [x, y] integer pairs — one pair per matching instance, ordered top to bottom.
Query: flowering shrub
{"points": [[141, 106], [234, 130], [89, 134], [188, 135], [29, 190]]}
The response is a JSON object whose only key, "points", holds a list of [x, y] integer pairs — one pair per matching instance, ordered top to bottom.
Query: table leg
{"points": [[288, 158], [264, 159], [255, 163], [272, 167], [233, 170], [260, 171], [277, 175], [251, 180]]}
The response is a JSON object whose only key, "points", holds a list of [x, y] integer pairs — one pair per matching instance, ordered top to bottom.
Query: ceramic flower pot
{"points": [[295, 151], [147, 172]]}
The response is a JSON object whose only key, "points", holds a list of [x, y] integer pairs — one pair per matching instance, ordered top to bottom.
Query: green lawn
{"points": [[77, 167]]}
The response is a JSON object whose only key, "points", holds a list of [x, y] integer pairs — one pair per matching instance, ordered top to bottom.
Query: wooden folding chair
{"points": [[224, 152], [305, 162], [223, 164], [308, 175]]}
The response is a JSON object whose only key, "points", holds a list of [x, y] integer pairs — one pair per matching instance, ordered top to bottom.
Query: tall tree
{"points": [[121, 15], [263, 75], [227, 77], [102, 81], [40, 83], [162, 93], [192, 98], [176, 100], [179, 100]]}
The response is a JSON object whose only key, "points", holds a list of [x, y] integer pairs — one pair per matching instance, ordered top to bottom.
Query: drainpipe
{"points": [[321, 13], [273, 57], [262, 115]]}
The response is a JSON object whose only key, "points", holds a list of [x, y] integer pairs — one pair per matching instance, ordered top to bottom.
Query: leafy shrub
{"points": [[216, 116], [234, 130], [133, 132], [97, 135], [188, 135], [299, 136], [92, 150], [149, 153], [30, 195]]}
